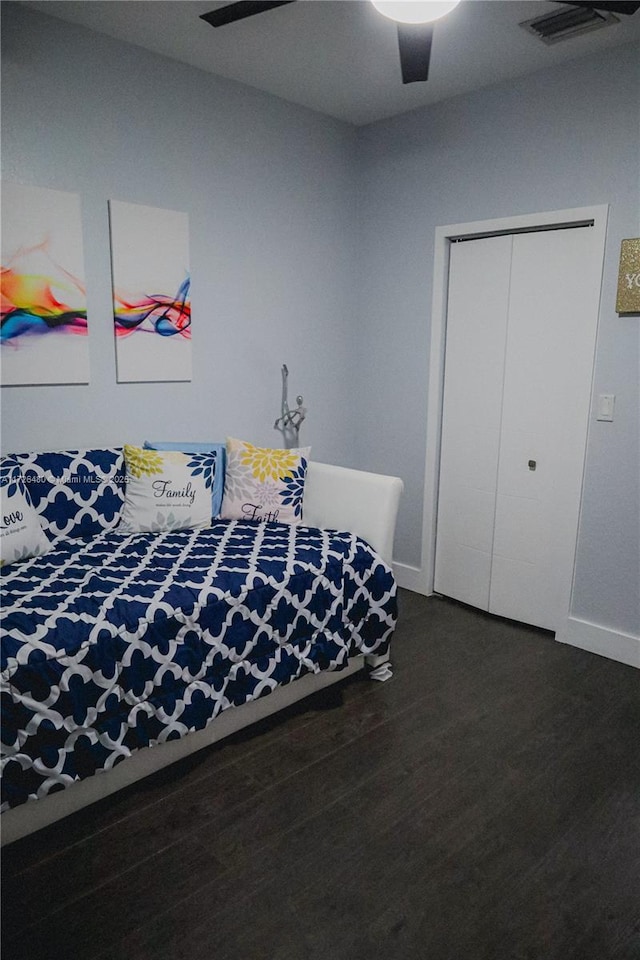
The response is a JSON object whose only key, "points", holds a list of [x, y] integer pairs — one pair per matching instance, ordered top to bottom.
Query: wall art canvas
{"points": [[628, 297], [151, 301], [43, 333]]}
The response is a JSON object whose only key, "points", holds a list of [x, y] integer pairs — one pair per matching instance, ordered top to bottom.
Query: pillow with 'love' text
{"points": [[21, 535]]}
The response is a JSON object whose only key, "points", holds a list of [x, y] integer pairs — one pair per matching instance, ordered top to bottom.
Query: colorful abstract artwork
{"points": [[151, 284], [43, 334]]}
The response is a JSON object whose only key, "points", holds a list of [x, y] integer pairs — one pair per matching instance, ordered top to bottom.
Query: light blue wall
{"points": [[568, 137], [269, 192], [312, 243]]}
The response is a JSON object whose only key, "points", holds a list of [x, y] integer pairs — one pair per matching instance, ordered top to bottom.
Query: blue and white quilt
{"points": [[125, 641]]}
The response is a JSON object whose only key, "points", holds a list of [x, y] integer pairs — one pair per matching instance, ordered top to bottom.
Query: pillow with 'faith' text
{"points": [[264, 484]]}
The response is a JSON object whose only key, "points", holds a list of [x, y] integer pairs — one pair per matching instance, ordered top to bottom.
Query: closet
{"points": [[520, 340]]}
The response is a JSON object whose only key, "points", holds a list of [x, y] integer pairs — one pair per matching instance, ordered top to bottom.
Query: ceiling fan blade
{"points": [[617, 6], [240, 10], [414, 43]]}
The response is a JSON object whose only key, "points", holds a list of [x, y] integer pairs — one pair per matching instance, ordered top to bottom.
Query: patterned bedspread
{"points": [[124, 641]]}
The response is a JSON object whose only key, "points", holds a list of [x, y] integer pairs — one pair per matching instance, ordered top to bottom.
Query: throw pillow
{"points": [[217, 449], [264, 484], [166, 491], [76, 493], [21, 535]]}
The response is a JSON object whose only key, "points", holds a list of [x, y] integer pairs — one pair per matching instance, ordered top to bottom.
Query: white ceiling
{"points": [[340, 57]]}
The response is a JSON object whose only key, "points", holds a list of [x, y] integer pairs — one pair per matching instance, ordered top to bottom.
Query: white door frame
{"points": [[422, 580]]}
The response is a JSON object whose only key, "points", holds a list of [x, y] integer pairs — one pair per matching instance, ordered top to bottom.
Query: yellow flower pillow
{"points": [[264, 484], [166, 490]]}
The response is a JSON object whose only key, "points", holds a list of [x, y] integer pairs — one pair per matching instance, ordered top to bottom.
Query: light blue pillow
{"points": [[219, 449]]}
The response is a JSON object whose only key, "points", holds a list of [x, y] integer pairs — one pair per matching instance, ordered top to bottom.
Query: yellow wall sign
{"points": [[628, 299]]}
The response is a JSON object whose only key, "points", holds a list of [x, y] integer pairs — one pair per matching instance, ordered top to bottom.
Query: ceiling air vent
{"points": [[568, 22]]}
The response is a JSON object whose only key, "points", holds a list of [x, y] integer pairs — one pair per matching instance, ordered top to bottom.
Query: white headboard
{"points": [[343, 499]]}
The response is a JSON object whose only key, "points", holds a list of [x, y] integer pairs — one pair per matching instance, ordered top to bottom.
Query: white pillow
{"points": [[264, 484], [165, 491], [21, 535]]}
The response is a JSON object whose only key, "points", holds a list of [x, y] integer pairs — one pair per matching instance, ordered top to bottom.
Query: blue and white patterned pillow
{"points": [[77, 493], [21, 534]]}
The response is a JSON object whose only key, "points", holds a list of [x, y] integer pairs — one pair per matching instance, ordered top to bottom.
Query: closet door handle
{"points": [[532, 464]]}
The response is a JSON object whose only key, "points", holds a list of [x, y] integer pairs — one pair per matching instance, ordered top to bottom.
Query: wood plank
{"points": [[432, 815]]}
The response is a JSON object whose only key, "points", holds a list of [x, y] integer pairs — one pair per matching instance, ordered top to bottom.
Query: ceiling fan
{"points": [[414, 38]]}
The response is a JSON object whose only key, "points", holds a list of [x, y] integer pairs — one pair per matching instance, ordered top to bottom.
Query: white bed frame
{"points": [[335, 498]]}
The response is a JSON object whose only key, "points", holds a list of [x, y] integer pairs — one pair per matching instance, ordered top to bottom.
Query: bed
{"points": [[123, 652]]}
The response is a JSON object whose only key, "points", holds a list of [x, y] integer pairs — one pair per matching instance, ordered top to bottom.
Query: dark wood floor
{"points": [[483, 804]]}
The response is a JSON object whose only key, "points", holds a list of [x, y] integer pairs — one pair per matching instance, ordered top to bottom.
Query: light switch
{"points": [[606, 403]]}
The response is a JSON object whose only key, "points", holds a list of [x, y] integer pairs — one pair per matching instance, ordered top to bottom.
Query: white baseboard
{"points": [[410, 578], [622, 647]]}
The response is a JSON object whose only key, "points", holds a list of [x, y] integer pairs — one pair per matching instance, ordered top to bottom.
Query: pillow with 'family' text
{"points": [[218, 450], [264, 484], [166, 491], [21, 535]]}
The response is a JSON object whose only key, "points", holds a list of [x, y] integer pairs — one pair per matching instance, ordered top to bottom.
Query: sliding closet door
{"points": [[553, 311], [474, 373]]}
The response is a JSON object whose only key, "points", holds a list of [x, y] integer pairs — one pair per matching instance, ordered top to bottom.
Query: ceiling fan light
{"points": [[414, 11]]}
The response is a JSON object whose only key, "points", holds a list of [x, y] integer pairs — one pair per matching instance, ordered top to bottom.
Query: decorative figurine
{"points": [[290, 421]]}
